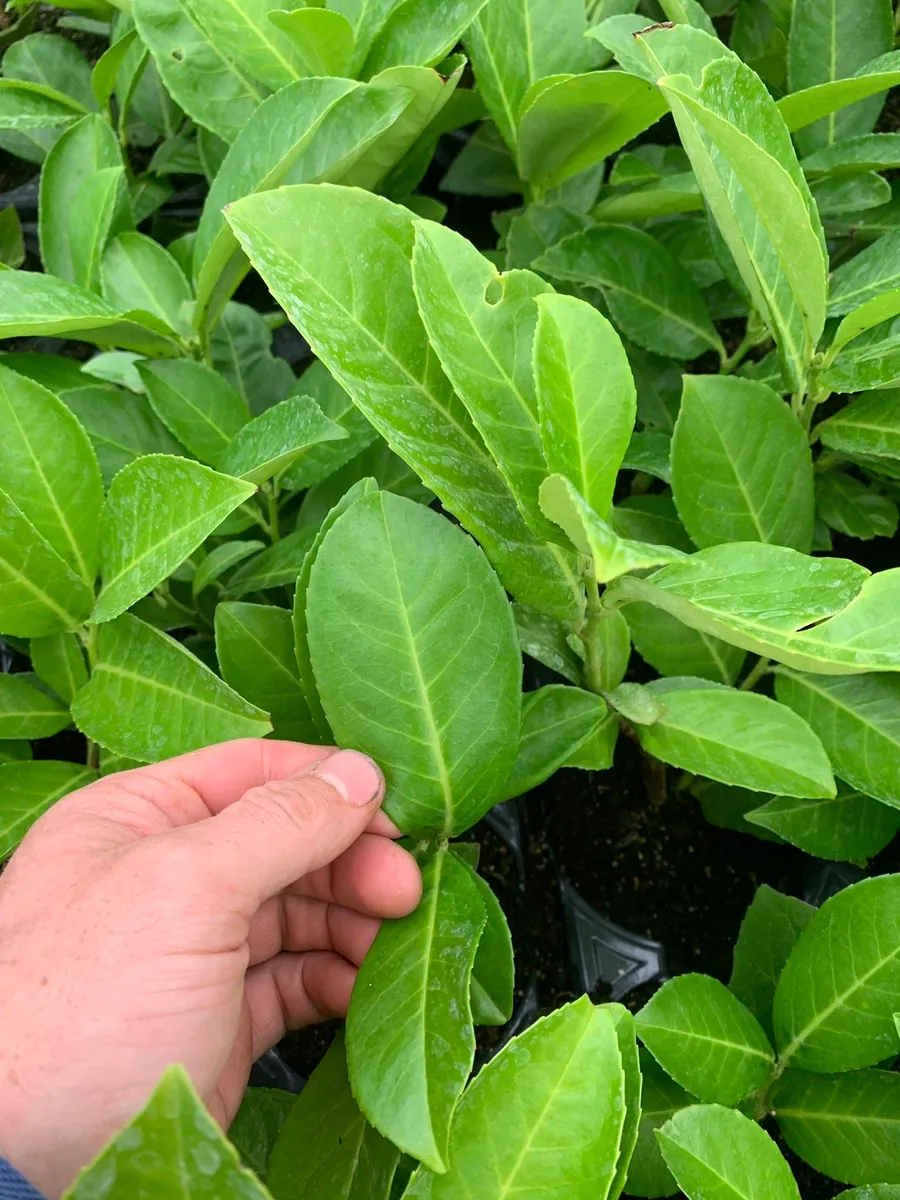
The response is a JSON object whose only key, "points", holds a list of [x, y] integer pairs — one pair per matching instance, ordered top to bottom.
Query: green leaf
{"points": [[413, 35], [322, 40], [831, 42], [514, 43], [254, 44], [52, 61], [106, 69], [198, 72], [801, 109], [32, 116], [568, 123], [870, 152], [484, 167], [753, 186], [853, 194], [100, 207], [536, 228], [12, 244], [874, 272], [138, 273], [650, 298], [880, 308], [872, 361], [118, 367], [388, 368], [586, 396], [201, 409], [121, 427], [270, 443], [321, 461], [741, 465], [50, 471], [159, 509], [651, 517], [612, 555], [220, 560], [277, 566], [39, 594], [545, 640], [255, 649], [674, 649], [416, 659], [58, 661], [148, 698], [635, 703], [28, 712], [857, 719], [556, 722], [739, 738], [15, 752], [596, 754], [28, 789], [727, 808], [848, 828], [768, 934], [492, 988], [833, 1010], [703, 1037], [410, 1042], [661, 1099], [545, 1116], [257, 1125], [846, 1126], [326, 1143], [173, 1145], [718, 1154], [879, 1191]]}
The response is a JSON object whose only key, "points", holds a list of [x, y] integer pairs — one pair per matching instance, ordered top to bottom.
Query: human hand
{"points": [[189, 912]]}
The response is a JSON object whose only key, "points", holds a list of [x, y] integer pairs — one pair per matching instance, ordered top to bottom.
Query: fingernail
{"points": [[354, 775]]}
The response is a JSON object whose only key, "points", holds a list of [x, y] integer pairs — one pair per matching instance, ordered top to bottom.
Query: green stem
{"points": [[733, 361], [274, 527], [89, 637], [593, 654], [762, 667]]}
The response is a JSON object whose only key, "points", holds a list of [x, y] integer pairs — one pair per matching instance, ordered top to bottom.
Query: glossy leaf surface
{"points": [[139, 273], [200, 408], [277, 438], [58, 660], [28, 712], [556, 721], [28, 789], [491, 991], [661, 1099]]}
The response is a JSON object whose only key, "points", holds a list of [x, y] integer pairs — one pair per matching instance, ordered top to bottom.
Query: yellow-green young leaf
{"points": [[243, 32], [417, 36], [322, 40], [833, 41], [514, 43], [199, 73], [801, 109], [568, 123], [314, 129], [748, 172], [139, 273], [651, 298], [873, 312], [364, 325], [586, 396], [200, 408], [277, 438], [322, 461], [741, 466], [50, 471], [158, 511], [612, 555], [278, 566], [39, 593], [674, 649], [255, 650], [416, 659], [58, 660], [148, 698], [27, 711], [857, 718], [556, 722], [28, 789], [846, 828], [768, 934], [492, 985], [834, 1011], [703, 1037], [410, 1041], [629, 1054], [661, 1099], [544, 1118], [845, 1126], [326, 1146], [172, 1147], [717, 1153]]}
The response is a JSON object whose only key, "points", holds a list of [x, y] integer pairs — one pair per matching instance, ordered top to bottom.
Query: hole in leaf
{"points": [[494, 292]]}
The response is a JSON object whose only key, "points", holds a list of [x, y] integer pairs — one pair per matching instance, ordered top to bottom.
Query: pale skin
{"points": [[190, 912]]}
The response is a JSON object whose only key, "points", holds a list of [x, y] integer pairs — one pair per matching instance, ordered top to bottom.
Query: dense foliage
{"points": [[659, 412]]}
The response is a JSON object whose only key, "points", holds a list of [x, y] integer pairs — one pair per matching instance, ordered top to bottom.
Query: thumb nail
{"points": [[356, 776]]}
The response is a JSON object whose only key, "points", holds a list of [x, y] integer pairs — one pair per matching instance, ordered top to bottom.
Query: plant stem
{"points": [[733, 361], [274, 528], [89, 637], [593, 655], [762, 667]]}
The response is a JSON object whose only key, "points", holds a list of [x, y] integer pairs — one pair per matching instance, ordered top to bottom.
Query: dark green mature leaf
{"points": [[413, 35], [833, 41], [514, 43], [52, 61], [33, 116], [870, 152], [743, 158], [484, 167], [851, 194], [100, 208], [538, 227], [12, 244], [873, 272], [138, 273], [650, 298], [364, 326], [241, 351], [586, 396], [201, 409], [122, 427], [277, 438], [321, 461], [741, 465], [49, 470], [848, 506], [159, 509], [651, 517], [220, 560], [277, 566], [546, 641], [255, 649], [674, 649], [416, 659], [58, 661], [149, 698], [28, 712], [857, 718], [556, 722], [707, 731], [28, 789], [727, 807], [847, 828], [768, 934], [492, 985], [834, 1011], [703, 1037], [410, 1041], [661, 1099], [545, 1116], [846, 1126], [255, 1129], [326, 1143], [160, 1153], [716, 1153], [878, 1191]]}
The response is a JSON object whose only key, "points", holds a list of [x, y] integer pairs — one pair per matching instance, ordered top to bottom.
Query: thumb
{"points": [[286, 828]]}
